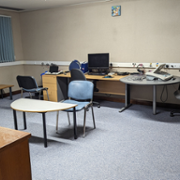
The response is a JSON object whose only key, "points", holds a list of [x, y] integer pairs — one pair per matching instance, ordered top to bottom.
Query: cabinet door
{"points": [[50, 82]]}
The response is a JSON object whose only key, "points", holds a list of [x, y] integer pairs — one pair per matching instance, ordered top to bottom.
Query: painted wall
{"points": [[146, 31]]}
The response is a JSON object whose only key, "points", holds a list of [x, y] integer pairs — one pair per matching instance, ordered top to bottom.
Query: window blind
{"points": [[6, 40]]}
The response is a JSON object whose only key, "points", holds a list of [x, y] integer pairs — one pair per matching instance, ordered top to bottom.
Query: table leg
{"points": [[10, 92], [1, 93], [127, 98], [154, 99], [24, 118], [15, 120], [75, 125], [44, 129]]}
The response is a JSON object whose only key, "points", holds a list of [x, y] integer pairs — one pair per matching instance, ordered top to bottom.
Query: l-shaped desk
{"points": [[57, 85], [118, 85]]}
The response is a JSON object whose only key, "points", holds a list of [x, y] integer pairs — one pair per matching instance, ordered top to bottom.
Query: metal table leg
{"points": [[10, 92], [1, 93], [127, 98], [154, 99], [24, 118], [15, 119], [75, 125], [44, 129]]}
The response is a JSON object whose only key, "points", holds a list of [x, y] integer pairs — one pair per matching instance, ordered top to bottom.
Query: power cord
{"points": [[161, 98]]}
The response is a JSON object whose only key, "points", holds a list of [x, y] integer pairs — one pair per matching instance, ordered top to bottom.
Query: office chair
{"points": [[77, 74], [29, 84], [80, 93], [177, 96]]}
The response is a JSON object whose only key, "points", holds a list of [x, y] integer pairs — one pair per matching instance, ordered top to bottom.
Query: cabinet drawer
{"points": [[49, 79], [50, 86], [52, 95]]}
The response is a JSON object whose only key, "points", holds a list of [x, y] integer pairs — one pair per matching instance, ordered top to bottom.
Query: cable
{"points": [[165, 86]]}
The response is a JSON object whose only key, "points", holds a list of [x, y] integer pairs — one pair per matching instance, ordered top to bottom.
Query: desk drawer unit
{"points": [[50, 82]]}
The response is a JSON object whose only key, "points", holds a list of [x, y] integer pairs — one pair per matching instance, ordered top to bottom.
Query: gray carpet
{"points": [[132, 145]]}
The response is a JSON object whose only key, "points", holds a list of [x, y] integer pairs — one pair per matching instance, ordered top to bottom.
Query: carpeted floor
{"points": [[132, 145]]}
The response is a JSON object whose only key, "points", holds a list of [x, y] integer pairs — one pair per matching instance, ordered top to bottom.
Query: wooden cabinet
{"points": [[50, 82], [14, 155]]}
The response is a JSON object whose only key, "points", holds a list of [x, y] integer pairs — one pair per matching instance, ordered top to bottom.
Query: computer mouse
{"points": [[107, 76]]}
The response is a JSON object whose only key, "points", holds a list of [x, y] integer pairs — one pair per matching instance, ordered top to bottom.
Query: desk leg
{"points": [[10, 92], [1, 93], [127, 98], [154, 99], [24, 118], [15, 120], [75, 125], [44, 129]]}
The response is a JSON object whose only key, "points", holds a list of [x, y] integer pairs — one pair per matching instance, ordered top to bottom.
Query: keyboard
{"points": [[55, 73], [96, 73]]}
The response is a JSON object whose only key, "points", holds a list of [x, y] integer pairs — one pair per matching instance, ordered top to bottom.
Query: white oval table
{"points": [[141, 80], [41, 106]]}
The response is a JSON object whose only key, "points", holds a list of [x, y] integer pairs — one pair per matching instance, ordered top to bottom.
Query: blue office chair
{"points": [[77, 74], [29, 84], [81, 93]]}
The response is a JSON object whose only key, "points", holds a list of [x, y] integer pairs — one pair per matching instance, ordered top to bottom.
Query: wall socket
{"points": [[173, 65]]}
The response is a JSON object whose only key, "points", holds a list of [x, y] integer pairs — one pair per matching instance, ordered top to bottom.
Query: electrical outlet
{"points": [[173, 65]]}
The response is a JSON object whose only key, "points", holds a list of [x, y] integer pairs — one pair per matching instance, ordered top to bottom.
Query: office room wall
{"points": [[147, 31], [8, 73]]}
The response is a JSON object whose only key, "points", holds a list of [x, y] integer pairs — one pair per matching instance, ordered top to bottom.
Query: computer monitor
{"points": [[98, 62], [53, 68]]}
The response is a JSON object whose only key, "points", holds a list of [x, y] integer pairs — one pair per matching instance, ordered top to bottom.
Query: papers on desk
{"points": [[55, 73]]}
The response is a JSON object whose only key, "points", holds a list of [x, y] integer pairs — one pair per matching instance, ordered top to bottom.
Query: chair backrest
{"points": [[77, 74], [26, 82], [80, 90]]}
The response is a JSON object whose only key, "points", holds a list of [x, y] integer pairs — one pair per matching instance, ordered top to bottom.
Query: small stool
{"points": [[3, 86]]}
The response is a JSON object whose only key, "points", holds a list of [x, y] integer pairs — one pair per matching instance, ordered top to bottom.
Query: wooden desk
{"points": [[57, 85], [3, 86], [40, 106], [14, 155]]}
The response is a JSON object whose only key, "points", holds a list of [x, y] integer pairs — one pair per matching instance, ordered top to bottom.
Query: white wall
{"points": [[146, 31]]}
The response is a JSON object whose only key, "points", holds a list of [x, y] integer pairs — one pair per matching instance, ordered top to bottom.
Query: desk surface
{"points": [[94, 77], [134, 81], [3, 86], [34, 105], [8, 136]]}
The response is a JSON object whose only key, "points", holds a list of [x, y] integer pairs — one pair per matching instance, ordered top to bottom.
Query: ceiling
{"points": [[29, 5]]}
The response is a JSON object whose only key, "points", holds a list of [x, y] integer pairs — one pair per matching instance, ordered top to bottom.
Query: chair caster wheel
{"points": [[171, 114]]}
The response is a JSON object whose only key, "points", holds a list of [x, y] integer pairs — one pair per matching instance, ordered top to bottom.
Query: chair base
{"points": [[96, 103], [172, 113]]}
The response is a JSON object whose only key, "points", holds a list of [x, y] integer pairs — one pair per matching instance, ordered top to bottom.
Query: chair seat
{"points": [[33, 90], [80, 105]]}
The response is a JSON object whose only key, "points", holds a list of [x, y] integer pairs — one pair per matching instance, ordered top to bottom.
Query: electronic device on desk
{"points": [[98, 64], [53, 68], [55, 73], [122, 73], [111, 74], [158, 74]]}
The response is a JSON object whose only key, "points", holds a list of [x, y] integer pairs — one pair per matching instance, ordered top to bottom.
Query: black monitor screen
{"points": [[98, 61], [53, 68]]}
